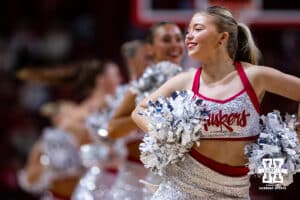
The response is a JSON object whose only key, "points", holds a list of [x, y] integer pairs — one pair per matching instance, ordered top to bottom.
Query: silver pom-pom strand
{"points": [[153, 77], [97, 122], [175, 124], [278, 139], [103, 150], [59, 152]]}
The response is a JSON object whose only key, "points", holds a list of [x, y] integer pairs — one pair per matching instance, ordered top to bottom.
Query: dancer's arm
{"points": [[121, 123]]}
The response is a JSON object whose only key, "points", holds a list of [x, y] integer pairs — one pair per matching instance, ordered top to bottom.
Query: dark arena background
{"points": [[41, 33]]}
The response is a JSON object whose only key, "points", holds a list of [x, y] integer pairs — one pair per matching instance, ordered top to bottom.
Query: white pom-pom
{"points": [[153, 77], [175, 124], [277, 140]]}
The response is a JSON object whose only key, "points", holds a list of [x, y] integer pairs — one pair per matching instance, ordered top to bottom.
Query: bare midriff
{"points": [[224, 151]]}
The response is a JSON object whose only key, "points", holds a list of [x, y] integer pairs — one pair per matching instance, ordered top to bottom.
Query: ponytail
{"points": [[240, 45], [247, 50]]}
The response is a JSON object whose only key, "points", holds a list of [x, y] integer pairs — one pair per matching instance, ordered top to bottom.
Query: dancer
{"points": [[165, 44], [136, 56], [231, 85], [61, 143], [104, 157]]}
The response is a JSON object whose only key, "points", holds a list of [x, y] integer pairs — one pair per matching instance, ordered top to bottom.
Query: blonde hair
{"points": [[152, 30], [240, 45], [129, 49]]}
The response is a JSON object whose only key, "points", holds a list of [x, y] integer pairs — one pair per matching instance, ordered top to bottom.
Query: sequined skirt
{"points": [[191, 180], [151, 184], [94, 185], [127, 185]]}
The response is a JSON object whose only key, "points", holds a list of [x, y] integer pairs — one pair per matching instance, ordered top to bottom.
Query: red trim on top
{"points": [[196, 84], [248, 86], [221, 101], [249, 138], [227, 170]]}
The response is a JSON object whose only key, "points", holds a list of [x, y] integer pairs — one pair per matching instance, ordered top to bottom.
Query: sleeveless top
{"points": [[237, 117]]}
